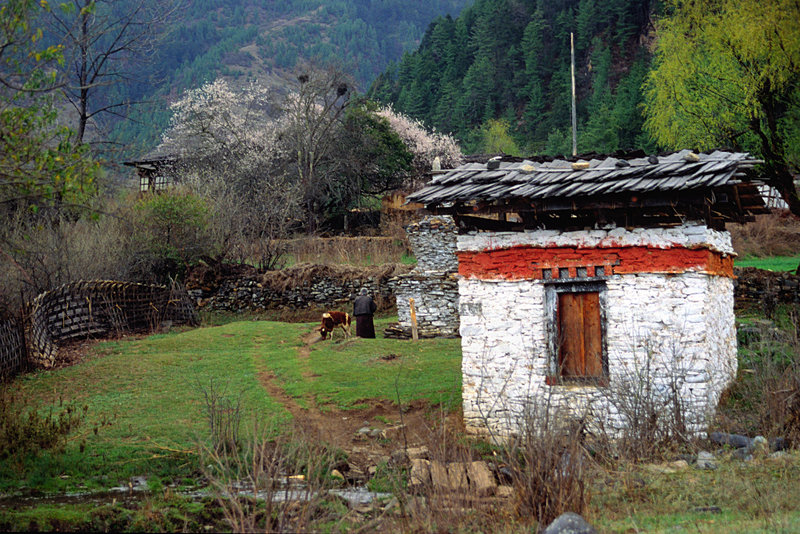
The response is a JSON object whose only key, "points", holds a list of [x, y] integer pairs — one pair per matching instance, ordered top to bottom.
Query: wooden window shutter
{"points": [[580, 335]]}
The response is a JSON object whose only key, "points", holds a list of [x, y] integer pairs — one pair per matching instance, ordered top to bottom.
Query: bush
{"points": [[170, 234], [27, 430]]}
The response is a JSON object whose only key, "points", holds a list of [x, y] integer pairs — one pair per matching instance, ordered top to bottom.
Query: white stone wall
{"points": [[689, 235], [676, 329]]}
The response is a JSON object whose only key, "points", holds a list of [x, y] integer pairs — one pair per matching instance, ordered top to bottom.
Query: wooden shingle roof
{"points": [[558, 178], [720, 182]]}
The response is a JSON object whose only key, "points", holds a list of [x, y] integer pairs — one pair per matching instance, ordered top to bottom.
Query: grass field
{"points": [[771, 263], [145, 397]]}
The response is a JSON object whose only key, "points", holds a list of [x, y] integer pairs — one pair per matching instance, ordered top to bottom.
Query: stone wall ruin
{"points": [[433, 284]]}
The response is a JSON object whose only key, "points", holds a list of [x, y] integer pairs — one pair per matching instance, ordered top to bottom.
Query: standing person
{"points": [[363, 308]]}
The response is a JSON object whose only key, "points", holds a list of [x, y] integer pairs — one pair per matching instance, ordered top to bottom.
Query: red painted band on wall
{"points": [[526, 262]]}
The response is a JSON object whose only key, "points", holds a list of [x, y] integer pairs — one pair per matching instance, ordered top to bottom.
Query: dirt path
{"points": [[340, 428]]}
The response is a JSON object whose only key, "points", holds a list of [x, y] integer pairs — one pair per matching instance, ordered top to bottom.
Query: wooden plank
{"points": [[593, 335], [571, 357]]}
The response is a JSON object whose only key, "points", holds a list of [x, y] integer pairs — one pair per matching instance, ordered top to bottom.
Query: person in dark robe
{"points": [[363, 309]]}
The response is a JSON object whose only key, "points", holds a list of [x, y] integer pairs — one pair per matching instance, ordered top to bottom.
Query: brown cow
{"points": [[331, 320]]}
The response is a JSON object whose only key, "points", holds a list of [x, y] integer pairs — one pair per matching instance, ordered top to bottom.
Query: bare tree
{"points": [[104, 40], [314, 114]]}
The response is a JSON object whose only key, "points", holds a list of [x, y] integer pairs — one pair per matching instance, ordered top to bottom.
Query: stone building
{"points": [[616, 281], [432, 284]]}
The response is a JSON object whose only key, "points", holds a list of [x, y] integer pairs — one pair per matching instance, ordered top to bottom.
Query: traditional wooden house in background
{"points": [[156, 171], [617, 274]]}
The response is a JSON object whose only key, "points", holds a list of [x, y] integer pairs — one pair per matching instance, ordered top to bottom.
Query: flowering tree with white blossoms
{"points": [[226, 141], [426, 146], [260, 161]]}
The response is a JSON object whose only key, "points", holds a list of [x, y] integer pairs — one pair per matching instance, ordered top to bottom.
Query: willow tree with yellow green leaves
{"points": [[727, 74]]}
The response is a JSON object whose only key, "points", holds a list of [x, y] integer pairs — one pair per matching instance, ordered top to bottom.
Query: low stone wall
{"points": [[302, 287], [765, 290], [435, 301], [12, 348]]}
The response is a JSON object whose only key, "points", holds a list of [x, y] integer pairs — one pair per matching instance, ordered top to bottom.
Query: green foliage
{"points": [[509, 61], [727, 73], [496, 138], [376, 156], [40, 159], [170, 233], [27, 430]]}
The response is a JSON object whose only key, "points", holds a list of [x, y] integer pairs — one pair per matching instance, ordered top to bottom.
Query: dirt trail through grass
{"points": [[308, 418], [340, 427]]}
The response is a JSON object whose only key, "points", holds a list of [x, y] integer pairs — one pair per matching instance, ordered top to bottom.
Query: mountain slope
{"points": [[258, 39], [503, 68]]}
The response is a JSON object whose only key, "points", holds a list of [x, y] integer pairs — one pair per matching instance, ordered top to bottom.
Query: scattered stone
{"points": [[363, 431], [393, 432], [375, 433], [734, 440], [778, 444], [760, 446], [417, 452], [743, 454], [399, 457], [706, 460], [668, 468], [373, 469], [337, 474], [420, 474], [505, 475], [439, 476], [457, 476], [481, 479], [504, 492], [392, 504], [708, 509], [569, 523]]}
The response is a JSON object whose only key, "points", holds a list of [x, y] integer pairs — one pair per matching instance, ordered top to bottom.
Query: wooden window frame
{"points": [[552, 292]]}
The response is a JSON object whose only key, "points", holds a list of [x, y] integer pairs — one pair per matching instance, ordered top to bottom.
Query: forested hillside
{"points": [[253, 38], [498, 76]]}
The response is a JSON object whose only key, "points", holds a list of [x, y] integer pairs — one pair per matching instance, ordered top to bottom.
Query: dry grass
{"points": [[773, 234], [347, 250], [765, 399]]}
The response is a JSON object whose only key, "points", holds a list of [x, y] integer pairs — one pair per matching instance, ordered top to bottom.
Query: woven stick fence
{"points": [[98, 308], [12, 348]]}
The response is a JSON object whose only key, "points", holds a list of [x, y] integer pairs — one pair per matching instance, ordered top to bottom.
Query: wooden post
{"points": [[574, 114], [414, 330]]}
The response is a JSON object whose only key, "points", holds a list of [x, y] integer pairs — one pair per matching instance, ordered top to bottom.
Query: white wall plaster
{"points": [[689, 235], [682, 324]]}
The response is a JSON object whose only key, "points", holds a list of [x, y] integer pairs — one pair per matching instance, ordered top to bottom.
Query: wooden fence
{"points": [[85, 309], [12, 348]]}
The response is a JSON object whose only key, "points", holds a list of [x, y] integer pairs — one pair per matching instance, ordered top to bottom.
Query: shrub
{"points": [[170, 234], [27, 430]]}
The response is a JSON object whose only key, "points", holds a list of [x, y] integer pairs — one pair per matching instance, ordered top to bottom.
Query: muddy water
{"points": [[137, 490]]}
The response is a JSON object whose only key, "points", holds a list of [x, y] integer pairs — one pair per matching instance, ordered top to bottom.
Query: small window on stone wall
{"points": [[577, 333]]}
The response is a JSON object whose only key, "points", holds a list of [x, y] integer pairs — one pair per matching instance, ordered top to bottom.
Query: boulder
{"points": [[570, 523]]}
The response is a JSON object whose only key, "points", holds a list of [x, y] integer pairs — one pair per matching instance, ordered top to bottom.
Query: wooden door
{"points": [[580, 335]]}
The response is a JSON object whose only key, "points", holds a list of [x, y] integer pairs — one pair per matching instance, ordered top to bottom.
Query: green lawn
{"points": [[770, 263], [149, 394]]}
